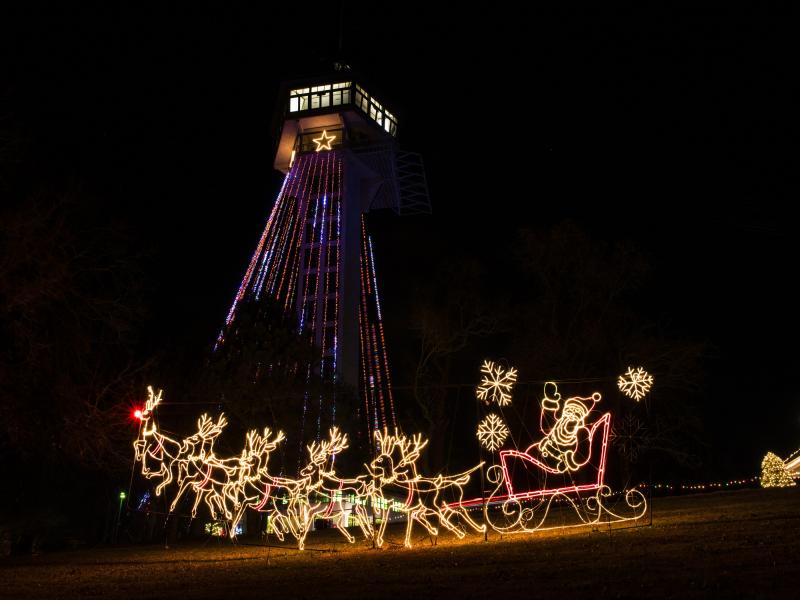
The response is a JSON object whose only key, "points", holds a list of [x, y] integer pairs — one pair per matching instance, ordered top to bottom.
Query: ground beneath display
{"points": [[728, 543]]}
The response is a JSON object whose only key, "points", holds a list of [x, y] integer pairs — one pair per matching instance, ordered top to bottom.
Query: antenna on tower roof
{"points": [[341, 27], [340, 64]]}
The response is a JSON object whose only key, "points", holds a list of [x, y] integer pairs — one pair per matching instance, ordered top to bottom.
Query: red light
{"points": [[137, 414]]}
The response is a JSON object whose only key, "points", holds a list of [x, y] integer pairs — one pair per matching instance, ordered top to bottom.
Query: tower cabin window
{"points": [[337, 94], [320, 96]]}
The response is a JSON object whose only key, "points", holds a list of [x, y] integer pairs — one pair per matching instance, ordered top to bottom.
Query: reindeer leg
{"points": [[166, 480], [182, 489], [197, 498], [462, 512], [412, 514], [423, 520], [235, 521], [445, 522], [280, 523], [364, 523], [343, 525], [279, 527], [303, 527], [381, 531]]}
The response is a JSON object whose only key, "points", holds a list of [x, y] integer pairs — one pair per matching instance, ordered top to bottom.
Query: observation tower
{"points": [[337, 148]]}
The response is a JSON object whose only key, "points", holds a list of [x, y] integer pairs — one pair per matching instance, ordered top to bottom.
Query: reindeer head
{"points": [[150, 404], [207, 430], [207, 433], [259, 446], [318, 453], [398, 457]]}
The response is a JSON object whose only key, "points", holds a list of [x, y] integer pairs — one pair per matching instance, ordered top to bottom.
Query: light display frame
{"points": [[574, 444], [228, 486]]}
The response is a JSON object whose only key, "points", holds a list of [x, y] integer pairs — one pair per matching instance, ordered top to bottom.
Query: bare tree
{"points": [[69, 310], [450, 313], [582, 317]]}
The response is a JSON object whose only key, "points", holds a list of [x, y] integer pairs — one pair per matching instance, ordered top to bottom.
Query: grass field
{"points": [[731, 544]]}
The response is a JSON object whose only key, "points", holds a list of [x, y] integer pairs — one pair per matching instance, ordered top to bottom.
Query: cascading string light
{"points": [[273, 237], [291, 239], [277, 255], [253, 261], [272, 262], [298, 263], [307, 263], [337, 273], [337, 278], [366, 341], [384, 354], [377, 383]]}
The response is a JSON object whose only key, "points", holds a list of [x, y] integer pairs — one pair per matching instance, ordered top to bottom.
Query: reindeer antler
{"points": [[153, 399], [221, 422], [204, 425], [206, 428], [252, 439], [338, 441], [386, 441], [268, 445], [410, 449], [318, 452]]}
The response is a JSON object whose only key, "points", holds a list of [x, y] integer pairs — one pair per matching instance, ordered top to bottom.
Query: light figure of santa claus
{"points": [[567, 442]]}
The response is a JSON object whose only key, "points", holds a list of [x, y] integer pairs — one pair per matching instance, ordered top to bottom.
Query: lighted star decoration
{"points": [[324, 141], [635, 383], [496, 384], [492, 432]]}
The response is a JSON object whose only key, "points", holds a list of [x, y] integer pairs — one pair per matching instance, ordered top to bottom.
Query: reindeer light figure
{"points": [[152, 445], [396, 468], [201, 470], [252, 478], [319, 482], [226, 485], [229, 486]]}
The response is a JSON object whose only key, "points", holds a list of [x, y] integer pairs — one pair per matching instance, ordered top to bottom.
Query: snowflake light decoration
{"points": [[635, 383], [496, 384], [492, 432], [630, 436]]}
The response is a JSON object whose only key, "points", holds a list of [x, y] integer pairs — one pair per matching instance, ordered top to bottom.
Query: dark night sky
{"points": [[674, 131]]}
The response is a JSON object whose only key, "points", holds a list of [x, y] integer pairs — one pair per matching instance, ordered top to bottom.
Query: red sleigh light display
{"points": [[566, 450], [566, 467]]}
